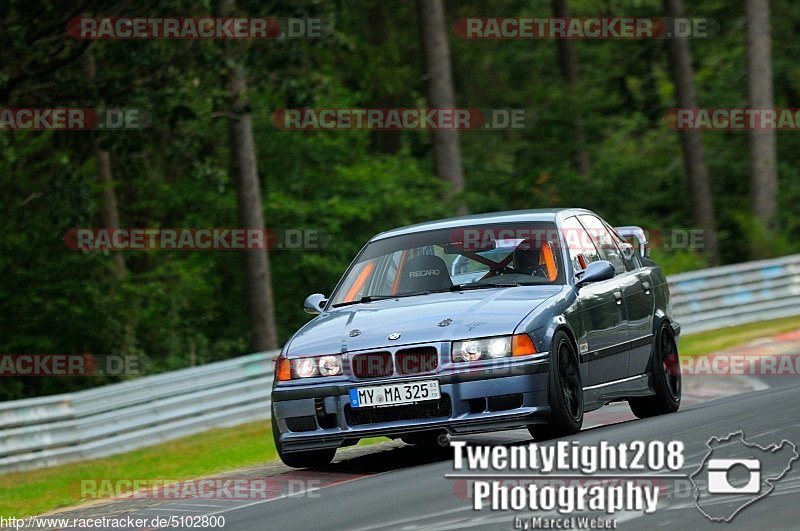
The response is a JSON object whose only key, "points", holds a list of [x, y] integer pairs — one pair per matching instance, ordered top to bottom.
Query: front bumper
{"points": [[473, 400]]}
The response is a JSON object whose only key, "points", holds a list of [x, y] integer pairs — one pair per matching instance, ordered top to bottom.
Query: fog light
{"points": [[306, 367]]}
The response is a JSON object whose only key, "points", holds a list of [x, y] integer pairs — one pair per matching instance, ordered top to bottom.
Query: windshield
{"points": [[451, 259]]}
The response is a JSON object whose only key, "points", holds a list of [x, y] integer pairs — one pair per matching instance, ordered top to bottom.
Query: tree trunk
{"points": [[568, 66], [387, 142], [446, 146], [694, 157], [763, 163], [244, 169], [109, 211]]}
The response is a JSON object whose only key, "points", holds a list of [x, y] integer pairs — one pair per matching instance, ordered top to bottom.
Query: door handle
{"points": [[618, 296]]}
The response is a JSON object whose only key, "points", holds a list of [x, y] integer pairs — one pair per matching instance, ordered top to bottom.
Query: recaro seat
{"points": [[424, 273]]}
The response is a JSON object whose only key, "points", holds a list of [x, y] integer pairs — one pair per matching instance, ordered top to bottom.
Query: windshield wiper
{"points": [[481, 285], [454, 287], [373, 298], [357, 301]]}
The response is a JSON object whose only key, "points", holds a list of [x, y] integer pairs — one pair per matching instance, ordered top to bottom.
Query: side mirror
{"points": [[639, 234], [596, 272], [314, 303]]}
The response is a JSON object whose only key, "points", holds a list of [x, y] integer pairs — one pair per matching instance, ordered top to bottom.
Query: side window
{"points": [[604, 242], [582, 251], [631, 263]]}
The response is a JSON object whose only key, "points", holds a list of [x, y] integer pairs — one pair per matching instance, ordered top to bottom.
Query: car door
{"points": [[637, 291], [601, 312]]}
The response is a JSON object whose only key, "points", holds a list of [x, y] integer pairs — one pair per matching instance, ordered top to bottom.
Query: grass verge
{"points": [[724, 338], [215, 451], [38, 491]]}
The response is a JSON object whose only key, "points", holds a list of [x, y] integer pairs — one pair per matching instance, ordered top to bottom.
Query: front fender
{"points": [[557, 312]]}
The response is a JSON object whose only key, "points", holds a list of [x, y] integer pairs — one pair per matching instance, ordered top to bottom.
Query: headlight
{"points": [[499, 347], [492, 348], [481, 349], [469, 350], [310, 367]]}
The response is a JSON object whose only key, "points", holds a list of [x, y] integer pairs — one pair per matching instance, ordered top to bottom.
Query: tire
{"points": [[665, 371], [564, 392], [305, 459]]}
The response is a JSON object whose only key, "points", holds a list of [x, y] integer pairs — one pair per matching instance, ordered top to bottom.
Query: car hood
{"points": [[424, 318]]}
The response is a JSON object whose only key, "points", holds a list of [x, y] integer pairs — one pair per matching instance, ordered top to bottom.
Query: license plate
{"points": [[394, 394]]}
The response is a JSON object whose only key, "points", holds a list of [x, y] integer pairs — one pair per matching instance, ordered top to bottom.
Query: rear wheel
{"points": [[665, 371], [565, 392], [304, 459]]}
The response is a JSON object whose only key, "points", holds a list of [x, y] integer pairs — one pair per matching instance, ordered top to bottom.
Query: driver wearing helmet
{"points": [[526, 257]]}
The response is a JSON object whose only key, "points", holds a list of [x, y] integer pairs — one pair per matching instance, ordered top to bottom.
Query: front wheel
{"points": [[665, 371], [565, 392], [304, 459]]}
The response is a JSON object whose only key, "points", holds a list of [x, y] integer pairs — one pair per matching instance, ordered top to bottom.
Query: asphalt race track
{"points": [[396, 486], [418, 496]]}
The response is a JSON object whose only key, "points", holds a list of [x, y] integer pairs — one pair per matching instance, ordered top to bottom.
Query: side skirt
{"points": [[597, 396]]}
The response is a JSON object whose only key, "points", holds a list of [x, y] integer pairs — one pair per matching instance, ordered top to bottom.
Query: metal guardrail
{"points": [[736, 294], [116, 418]]}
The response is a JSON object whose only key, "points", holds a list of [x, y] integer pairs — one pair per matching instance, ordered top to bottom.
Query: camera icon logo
{"points": [[735, 474], [719, 481]]}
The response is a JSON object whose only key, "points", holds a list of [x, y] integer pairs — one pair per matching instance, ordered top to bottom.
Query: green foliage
{"points": [[679, 261]]}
